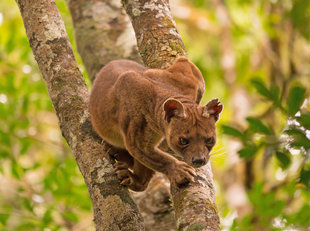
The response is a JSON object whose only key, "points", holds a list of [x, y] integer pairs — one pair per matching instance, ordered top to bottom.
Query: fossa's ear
{"points": [[173, 108], [213, 108]]}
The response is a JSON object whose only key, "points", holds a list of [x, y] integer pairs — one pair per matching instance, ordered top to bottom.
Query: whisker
{"points": [[217, 151], [218, 154], [218, 157], [214, 161]]}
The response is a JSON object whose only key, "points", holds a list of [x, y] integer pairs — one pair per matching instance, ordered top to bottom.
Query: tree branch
{"points": [[103, 33], [102, 37], [157, 37], [159, 44], [113, 207]]}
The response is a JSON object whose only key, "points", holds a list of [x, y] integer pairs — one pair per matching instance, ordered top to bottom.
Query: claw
{"points": [[126, 181]]}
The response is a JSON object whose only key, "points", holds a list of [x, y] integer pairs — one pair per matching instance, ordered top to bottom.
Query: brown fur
{"points": [[135, 108]]}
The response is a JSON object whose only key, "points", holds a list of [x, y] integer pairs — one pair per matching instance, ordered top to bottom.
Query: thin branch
{"points": [[157, 36]]}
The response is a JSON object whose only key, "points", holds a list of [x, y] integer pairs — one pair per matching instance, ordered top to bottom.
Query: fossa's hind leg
{"points": [[121, 155], [136, 179]]}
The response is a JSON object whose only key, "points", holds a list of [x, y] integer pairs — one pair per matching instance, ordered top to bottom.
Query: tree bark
{"points": [[103, 33], [158, 39], [159, 44], [112, 205]]}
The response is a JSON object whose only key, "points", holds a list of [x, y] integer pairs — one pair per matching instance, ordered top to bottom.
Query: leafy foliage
{"points": [[254, 56], [266, 108]]}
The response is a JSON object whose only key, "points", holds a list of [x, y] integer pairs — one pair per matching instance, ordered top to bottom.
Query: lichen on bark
{"points": [[155, 30], [103, 33], [159, 44], [69, 94]]}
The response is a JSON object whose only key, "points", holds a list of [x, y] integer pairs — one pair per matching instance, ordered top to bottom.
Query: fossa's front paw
{"points": [[123, 173], [181, 174]]}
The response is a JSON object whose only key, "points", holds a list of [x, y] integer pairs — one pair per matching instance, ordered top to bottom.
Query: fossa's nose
{"points": [[198, 161]]}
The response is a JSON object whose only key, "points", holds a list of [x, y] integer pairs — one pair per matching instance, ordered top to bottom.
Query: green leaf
{"points": [[299, 15], [261, 88], [275, 92], [295, 99], [304, 120], [258, 126], [228, 130], [299, 138], [25, 144], [247, 152], [4, 154], [284, 159], [16, 170], [305, 177], [28, 205], [70, 216], [3, 218], [47, 218], [26, 226]]}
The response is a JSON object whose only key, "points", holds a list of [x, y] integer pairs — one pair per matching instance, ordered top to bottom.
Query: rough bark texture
{"points": [[103, 32], [157, 37], [159, 43], [113, 207], [195, 207]]}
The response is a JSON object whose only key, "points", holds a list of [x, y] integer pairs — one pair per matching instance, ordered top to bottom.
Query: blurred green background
{"points": [[254, 55]]}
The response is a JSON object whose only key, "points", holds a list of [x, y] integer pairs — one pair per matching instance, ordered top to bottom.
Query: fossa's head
{"points": [[191, 131]]}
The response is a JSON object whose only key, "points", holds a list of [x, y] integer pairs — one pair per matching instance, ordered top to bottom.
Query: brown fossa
{"points": [[134, 108]]}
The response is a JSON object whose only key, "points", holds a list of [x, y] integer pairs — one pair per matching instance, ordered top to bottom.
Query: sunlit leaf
{"points": [[299, 15], [261, 88], [275, 92], [295, 99], [304, 120], [256, 125], [228, 130], [299, 138], [25, 144], [247, 152], [4, 154], [284, 159], [16, 169], [305, 177], [265, 204], [28, 205], [70, 216], [3, 218], [47, 218], [26, 226]]}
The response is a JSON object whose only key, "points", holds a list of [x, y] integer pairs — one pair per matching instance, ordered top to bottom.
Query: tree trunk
{"points": [[96, 33], [103, 33], [159, 44], [112, 205]]}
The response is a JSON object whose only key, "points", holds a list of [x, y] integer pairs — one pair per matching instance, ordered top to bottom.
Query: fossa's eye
{"points": [[183, 141], [209, 142]]}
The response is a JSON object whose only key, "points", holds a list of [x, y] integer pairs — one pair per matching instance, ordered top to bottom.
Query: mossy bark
{"points": [[103, 33], [158, 39], [159, 44], [112, 205]]}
